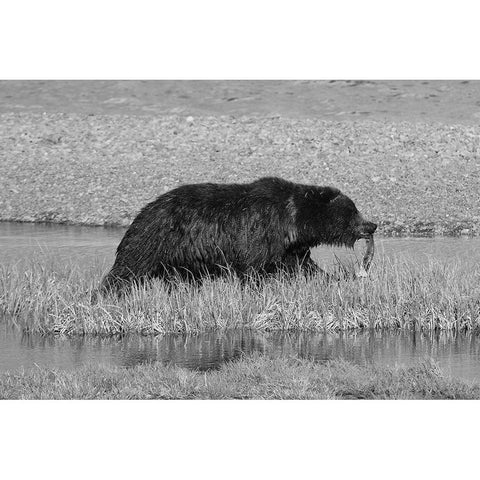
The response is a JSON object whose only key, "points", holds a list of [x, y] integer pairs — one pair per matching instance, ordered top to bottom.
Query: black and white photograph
{"points": [[236, 231], [188, 239]]}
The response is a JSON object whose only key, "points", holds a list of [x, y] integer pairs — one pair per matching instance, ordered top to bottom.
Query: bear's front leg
{"points": [[301, 259]]}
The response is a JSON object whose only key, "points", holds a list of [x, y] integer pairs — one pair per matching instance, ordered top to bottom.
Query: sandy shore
{"points": [[444, 101], [411, 178]]}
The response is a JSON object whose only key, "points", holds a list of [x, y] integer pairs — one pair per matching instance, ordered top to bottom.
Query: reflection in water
{"points": [[201, 352], [457, 354]]}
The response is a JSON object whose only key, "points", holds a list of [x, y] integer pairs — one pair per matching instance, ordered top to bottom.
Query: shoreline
{"points": [[446, 101], [411, 179], [452, 230]]}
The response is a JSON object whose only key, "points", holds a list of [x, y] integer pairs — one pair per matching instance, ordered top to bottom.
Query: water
{"points": [[87, 246], [458, 355]]}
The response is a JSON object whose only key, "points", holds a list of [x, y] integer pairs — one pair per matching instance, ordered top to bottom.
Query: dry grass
{"points": [[51, 298], [255, 377]]}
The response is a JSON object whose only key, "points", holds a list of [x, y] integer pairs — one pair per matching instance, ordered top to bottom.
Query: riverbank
{"points": [[410, 177], [55, 298], [256, 377]]}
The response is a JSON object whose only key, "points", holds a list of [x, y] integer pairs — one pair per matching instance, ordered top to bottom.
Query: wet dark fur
{"points": [[206, 229]]}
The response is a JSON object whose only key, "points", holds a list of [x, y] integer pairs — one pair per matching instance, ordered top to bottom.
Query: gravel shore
{"points": [[410, 177]]}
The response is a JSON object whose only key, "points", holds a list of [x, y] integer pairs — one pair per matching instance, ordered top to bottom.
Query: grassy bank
{"points": [[409, 177], [400, 295], [250, 378]]}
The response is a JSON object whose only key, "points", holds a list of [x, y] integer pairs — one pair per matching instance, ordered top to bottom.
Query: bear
{"points": [[207, 229]]}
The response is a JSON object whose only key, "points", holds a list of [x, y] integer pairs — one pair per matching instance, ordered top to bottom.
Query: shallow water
{"points": [[27, 242], [23, 243], [87, 246], [457, 355]]}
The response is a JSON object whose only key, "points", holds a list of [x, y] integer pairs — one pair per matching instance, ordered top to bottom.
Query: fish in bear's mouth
{"points": [[366, 231], [369, 252]]}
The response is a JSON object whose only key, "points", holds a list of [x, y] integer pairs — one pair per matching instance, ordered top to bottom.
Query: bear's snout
{"points": [[368, 228]]}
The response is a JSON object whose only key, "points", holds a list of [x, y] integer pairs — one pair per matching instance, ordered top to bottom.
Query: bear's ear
{"points": [[327, 194]]}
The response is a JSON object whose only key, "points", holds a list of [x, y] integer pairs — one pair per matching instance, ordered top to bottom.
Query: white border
{"points": [[252, 39], [220, 40], [239, 439]]}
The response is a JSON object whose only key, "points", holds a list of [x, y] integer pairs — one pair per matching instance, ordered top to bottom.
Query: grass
{"points": [[49, 298], [256, 377]]}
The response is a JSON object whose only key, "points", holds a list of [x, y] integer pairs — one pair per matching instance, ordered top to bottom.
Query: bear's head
{"points": [[327, 216], [345, 224]]}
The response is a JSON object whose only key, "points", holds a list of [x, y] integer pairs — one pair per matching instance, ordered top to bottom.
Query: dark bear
{"points": [[208, 229]]}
